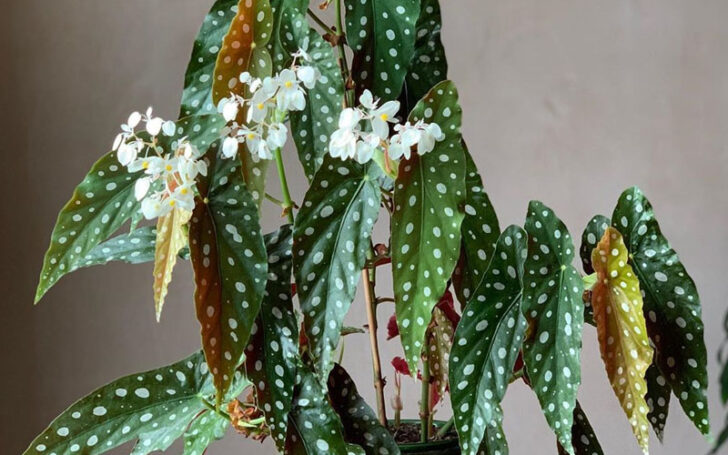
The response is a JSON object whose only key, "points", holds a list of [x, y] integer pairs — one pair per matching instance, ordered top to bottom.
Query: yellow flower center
{"points": [[288, 84], [260, 106], [384, 117], [251, 136], [145, 164], [168, 167], [183, 191], [171, 202]]}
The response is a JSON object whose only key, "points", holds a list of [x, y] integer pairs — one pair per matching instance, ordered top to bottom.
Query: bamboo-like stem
{"points": [[320, 22], [287, 202], [376, 361], [425, 398]]}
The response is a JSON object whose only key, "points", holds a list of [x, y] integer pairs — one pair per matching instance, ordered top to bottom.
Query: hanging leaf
{"points": [[382, 35], [197, 95], [312, 127], [429, 199], [480, 232], [593, 232], [331, 237], [171, 238], [136, 247], [230, 263], [552, 305], [672, 305], [439, 337], [623, 341], [487, 342], [271, 356], [658, 399], [154, 407], [359, 421], [206, 428], [582, 435], [494, 442]]}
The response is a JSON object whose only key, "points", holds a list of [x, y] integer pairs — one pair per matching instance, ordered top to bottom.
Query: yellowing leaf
{"points": [[171, 238], [617, 304]]}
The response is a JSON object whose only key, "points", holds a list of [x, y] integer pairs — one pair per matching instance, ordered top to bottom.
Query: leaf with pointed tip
{"points": [[382, 35], [197, 95], [429, 198], [480, 231], [593, 232], [171, 238], [331, 239], [135, 247], [230, 264], [552, 305], [672, 305], [439, 342], [487, 342], [623, 342], [272, 355], [658, 399], [154, 407], [359, 420], [207, 427], [582, 435], [494, 442]]}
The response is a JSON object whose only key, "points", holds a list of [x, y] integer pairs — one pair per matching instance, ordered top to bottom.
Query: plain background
{"points": [[569, 102]]}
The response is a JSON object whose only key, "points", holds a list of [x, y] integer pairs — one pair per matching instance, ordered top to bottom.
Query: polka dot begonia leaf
{"points": [[382, 35], [197, 95], [312, 127], [429, 199], [103, 202], [480, 231], [593, 232], [331, 236], [171, 238], [135, 247], [230, 264], [672, 305], [553, 307], [621, 329], [487, 342], [272, 355], [658, 399], [154, 408], [359, 421], [314, 427], [205, 429], [582, 435], [494, 442]]}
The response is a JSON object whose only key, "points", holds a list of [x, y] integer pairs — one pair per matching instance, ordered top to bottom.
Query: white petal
{"points": [[367, 100], [390, 109], [230, 111], [349, 118], [134, 119], [154, 126], [168, 128], [380, 128], [229, 147], [141, 187]]}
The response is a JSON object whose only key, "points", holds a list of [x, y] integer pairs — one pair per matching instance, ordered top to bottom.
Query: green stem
{"points": [[320, 23], [349, 98], [287, 202], [371, 309], [425, 399], [215, 409], [445, 428]]}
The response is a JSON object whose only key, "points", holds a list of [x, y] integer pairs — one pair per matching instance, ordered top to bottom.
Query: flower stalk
{"points": [[371, 307], [425, 398]]}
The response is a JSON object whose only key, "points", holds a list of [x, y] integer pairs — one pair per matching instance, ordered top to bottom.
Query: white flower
{"points": [[302, 51], [308, 75], [290, 96], [259, 105], [229, 109], [379, 117], [134, 119], [349, 119], [169, 128], [430, 133], [277, 135], [343, 144], [256, 145], [400, 145], [229, 147], [365, 148], [128, 151], [188, 169], [141, 187], [183, 197], [153, 206]]}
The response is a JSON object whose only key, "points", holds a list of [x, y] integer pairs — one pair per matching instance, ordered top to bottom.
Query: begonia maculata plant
{"points": [[366, 104]]}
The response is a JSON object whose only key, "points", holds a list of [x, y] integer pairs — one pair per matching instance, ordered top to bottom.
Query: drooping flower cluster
{"points": [[270, 99], [365, 128], [168, 179]]}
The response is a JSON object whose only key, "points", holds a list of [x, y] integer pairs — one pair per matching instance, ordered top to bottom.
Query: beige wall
{"points": [[565, 101]]}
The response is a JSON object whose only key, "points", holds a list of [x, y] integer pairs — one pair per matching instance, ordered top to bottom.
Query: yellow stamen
{"points": [[288, 84], [260, 106], [384, 117], [251, 136], [145, 164], [168, 167], [183, 191], [171, 202]]}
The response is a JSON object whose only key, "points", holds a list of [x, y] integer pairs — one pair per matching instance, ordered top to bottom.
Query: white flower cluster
{"points": [[270, 99], [350, 141], [170, 175]]}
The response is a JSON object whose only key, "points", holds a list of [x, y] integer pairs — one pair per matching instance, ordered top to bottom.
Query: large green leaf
{"points": [[382, 36], [197, 95], [312, 127], [429, 199], [104, 201], [480, 231], [593, 232], [331, 239], [230, 263], [552, 304], [672, 305], [487, 342], [271, 356], [658, 399], [154, 407], [358, 419], [205, 429], [582, 435], [494, 442]]}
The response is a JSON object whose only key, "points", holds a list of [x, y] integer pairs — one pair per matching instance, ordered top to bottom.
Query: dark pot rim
{"points": [[417, 446]]}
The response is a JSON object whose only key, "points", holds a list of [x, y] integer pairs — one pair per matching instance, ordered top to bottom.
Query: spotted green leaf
{"points": [[382, 35], [197, 95], [312, 127], [429, 199], [480, 231], [593, 232], [331, 239], [136, 247], [230, 264], [552, 305], [672, 305], [621, 329], [439, 337], [487, 342], [271, 356], [658, 399], [153, 407], [359, 421], [205, 429], [582, 435], [494, 442]]}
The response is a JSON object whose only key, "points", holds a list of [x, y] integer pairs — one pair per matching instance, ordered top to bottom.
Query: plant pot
{"points": [[450, 446]]}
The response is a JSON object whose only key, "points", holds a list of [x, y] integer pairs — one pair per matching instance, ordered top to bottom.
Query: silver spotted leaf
{"points": [[382, 35], [197, 94], [429, 199], [104, 201], [593, 232], [331, 237], [136, 247], [230, 264], [671, 302], [553, 307], [487, 342], [271, 358], [658, 399], [154, 407], [360, 422], [207, 427], [583, 436], [494, 442]]}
